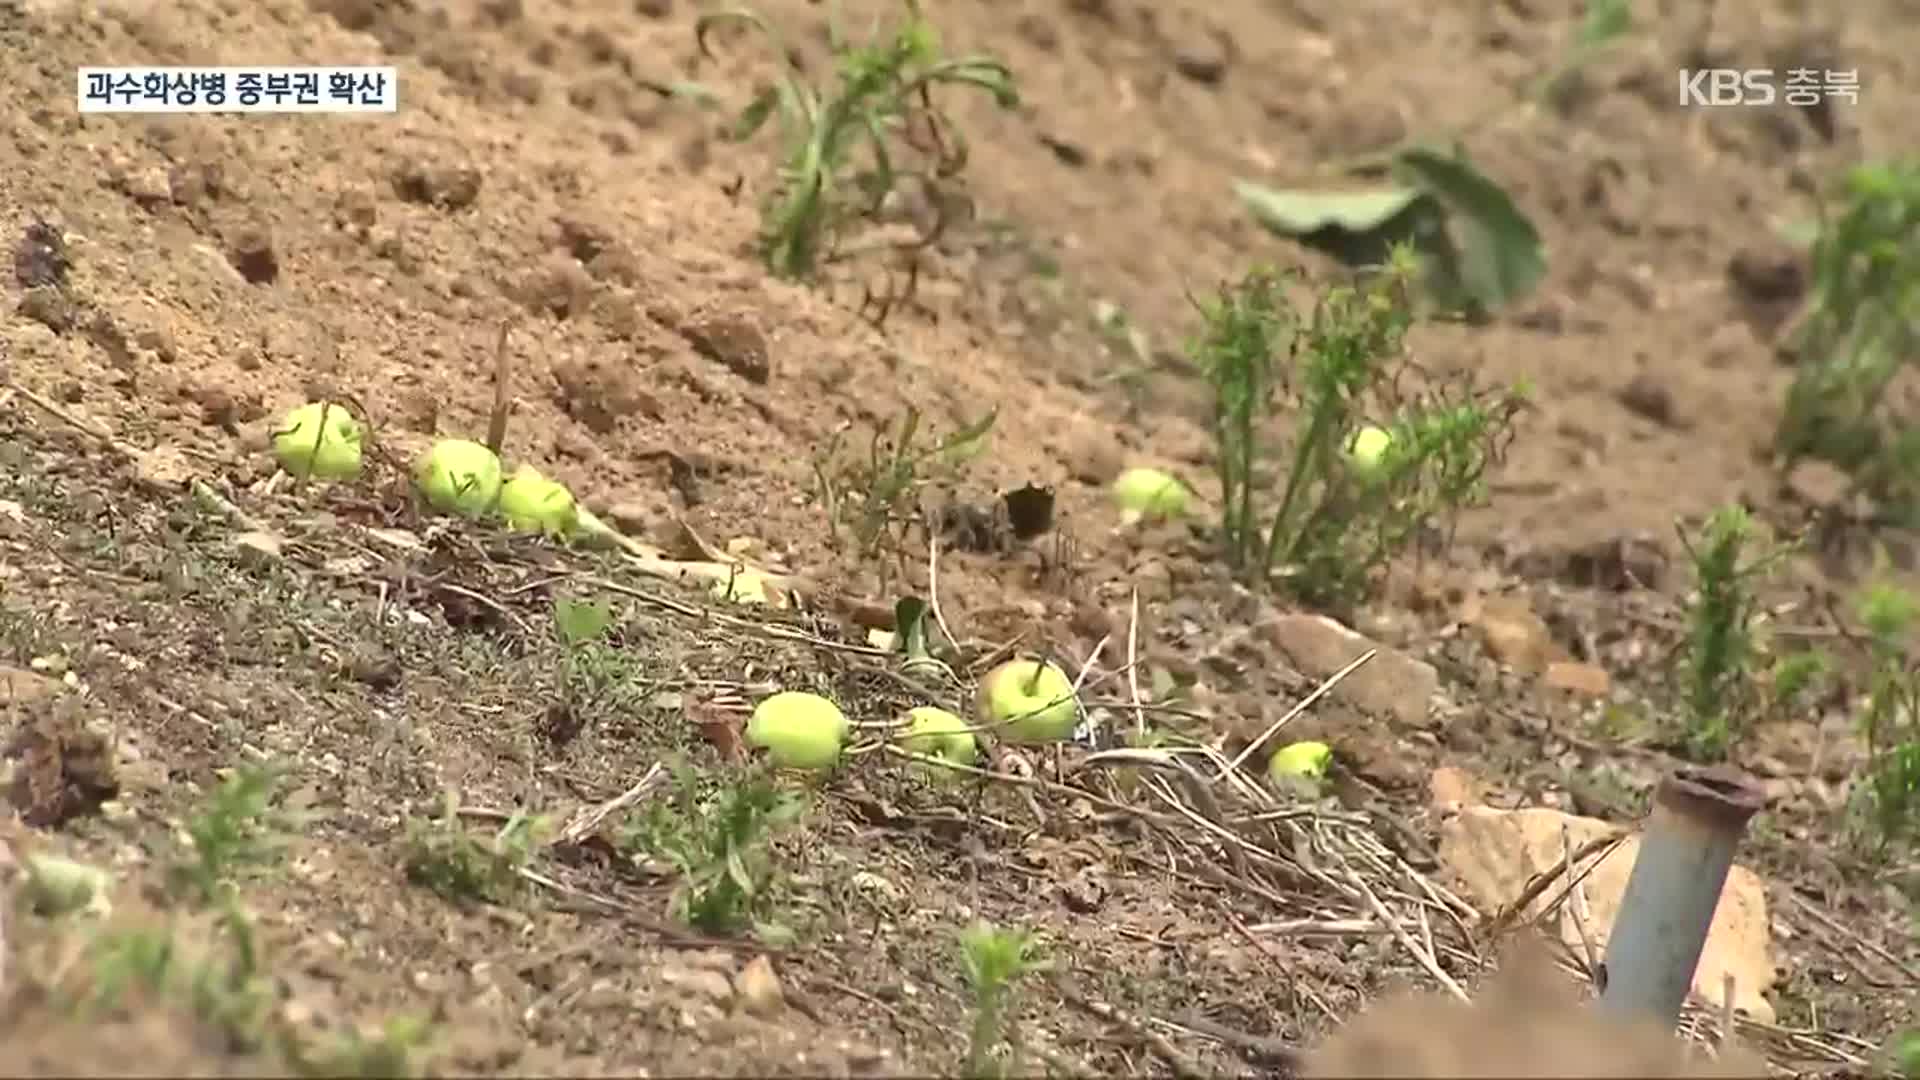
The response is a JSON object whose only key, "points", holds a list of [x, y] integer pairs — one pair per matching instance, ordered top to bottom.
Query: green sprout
{"points": [[883, 104]]}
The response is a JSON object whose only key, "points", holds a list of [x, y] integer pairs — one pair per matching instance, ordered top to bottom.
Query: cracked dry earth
{"points": [[225, 269]]}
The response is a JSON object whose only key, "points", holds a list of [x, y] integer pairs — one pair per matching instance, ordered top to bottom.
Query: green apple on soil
{"points": [[319, 439], [459, 476], [1144, 494], [532, 503], [1025, 701], [799, 730], [937, 733], [1300, 767]]}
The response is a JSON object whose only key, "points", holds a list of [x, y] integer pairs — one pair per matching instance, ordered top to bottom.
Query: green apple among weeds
{"points": [[319, 439], [1368, 449], [459, 476], [1144, 494], [532, 503], [1026, 701], [798, 730], [937, 733], [1300, 766], [55, 886]]}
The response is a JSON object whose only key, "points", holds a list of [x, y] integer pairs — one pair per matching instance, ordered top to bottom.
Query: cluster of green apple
{"points": [[458, 476], [1144, 494], [1026, 702]]}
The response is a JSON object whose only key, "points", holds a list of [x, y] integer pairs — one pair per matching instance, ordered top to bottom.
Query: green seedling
{"points": [[840, 148], [1861, 327], [872, 497], [1339, 515], [593, 674], [1717, 676], [1891, 718], [238, 828], [720, 845], [450, 860], [994, 959], [222, 985], [393, 1052], [1905, 1055]]}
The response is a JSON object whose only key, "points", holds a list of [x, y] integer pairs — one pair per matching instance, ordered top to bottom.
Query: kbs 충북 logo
{"points": [[1805, 87]]}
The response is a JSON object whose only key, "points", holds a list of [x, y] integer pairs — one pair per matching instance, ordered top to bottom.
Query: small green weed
{"points": [[883, 104], [1862, 326], [872, 497], [1336, 521], [593, 674], [1717, 674], [1890, 798], [238, 828], [719, 844], [449, 859], [994, 959], [223, 987], [393, 1052], [1905, 1055]]}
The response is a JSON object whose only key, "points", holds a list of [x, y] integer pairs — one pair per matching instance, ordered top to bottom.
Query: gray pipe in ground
{"points": [[1698, 818]]}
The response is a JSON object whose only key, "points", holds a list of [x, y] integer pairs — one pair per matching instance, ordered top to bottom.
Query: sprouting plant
{"points": [[883, 104], [1862, 326], [872, 496], [1340, 514], [591, 672], [1717, 674], [1891, 720], [238, 827], [719, 844], [445, 857], [994, 959], [223, 987], [393, 1051]]}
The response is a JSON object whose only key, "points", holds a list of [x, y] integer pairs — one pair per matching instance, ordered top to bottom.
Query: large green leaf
{"points": [[1356, 227], [1500, 256]]}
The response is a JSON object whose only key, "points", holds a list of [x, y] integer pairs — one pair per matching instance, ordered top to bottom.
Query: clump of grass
{"points": [[841, 146], [1862, 326], [1336, 368], [873, 496], [592, 674], [1718, 685], [1890, 721], [238, 827], [719, 843], [447, 858], [994, 959], [223, 986], [391, 1052]]}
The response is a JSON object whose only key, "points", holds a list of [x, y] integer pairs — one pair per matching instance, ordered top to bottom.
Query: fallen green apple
{"points": [[319, 439], [1368, 449], [459, 476], [1144, 494], [532, 503], [1026, 701], [799, 730], [937, 733], [1300, 766], [55, 886]]}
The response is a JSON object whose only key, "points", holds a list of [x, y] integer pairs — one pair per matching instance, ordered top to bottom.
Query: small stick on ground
{"points": [[502, 405], [1133, 669], [1305, 703], [586, 821]]}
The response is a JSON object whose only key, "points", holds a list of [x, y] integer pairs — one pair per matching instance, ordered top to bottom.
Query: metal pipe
{"points": [[1697, 820]]}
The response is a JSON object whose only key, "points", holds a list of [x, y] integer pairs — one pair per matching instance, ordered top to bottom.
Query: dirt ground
{"points": [[226, 269]]}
